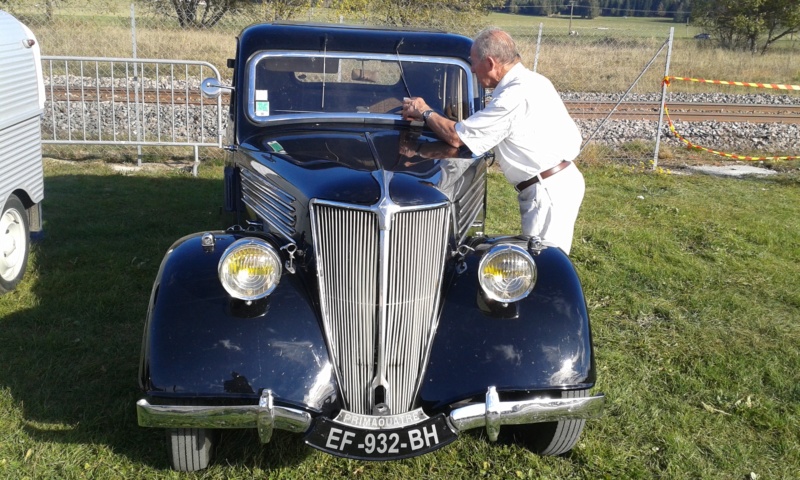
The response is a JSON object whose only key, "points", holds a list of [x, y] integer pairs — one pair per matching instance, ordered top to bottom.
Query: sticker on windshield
{"points": [[262, 103], [262, 109], [276, 147]]}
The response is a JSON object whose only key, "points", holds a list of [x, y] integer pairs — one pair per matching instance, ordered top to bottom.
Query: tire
{"points": [[14, 243], [550, 438], [190, 449]]}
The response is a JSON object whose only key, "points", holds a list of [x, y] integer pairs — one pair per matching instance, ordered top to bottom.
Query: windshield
{"points": [[289, 83]]}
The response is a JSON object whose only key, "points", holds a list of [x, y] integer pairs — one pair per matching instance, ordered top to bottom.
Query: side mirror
{"points": [[211, 88]]}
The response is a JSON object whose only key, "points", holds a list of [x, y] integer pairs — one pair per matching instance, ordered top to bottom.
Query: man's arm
{"points": [[443, 127]]}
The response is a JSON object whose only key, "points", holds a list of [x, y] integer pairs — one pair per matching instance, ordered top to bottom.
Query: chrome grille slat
{"points": [[272, 204], [470, 206], [347, 242], [418, 248], [348, 275]]}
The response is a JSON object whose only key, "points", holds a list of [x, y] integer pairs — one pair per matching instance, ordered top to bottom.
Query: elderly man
{"points": [[533, 136]]}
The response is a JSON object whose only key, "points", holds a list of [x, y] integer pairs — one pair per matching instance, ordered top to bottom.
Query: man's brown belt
{"points": [[545, 174]]}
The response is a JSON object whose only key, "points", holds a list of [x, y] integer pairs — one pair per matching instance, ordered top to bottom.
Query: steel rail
{"points": [[583, 110], [688, 111]]}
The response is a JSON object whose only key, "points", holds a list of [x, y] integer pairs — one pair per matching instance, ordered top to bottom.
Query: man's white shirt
{"points": [[526, 123]]}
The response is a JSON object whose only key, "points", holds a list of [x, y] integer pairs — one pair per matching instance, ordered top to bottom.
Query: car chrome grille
{"points": [[272, 204], [470, 206], [379, 297]]}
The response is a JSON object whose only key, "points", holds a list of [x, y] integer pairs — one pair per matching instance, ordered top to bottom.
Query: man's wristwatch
{"points": [[426, 114]]}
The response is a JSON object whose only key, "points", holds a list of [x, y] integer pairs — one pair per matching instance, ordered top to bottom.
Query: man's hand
{"points": [[413, 108], [443, 127]]}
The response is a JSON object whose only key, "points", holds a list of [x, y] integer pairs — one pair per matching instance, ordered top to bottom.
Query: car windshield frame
{"points": [[466, 106]]}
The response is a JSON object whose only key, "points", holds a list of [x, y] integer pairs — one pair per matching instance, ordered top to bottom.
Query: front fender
{"points": [[200, 342], [547, 346]]}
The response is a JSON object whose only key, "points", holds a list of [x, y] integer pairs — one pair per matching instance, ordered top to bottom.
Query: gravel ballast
{"points": [[192, 124]]}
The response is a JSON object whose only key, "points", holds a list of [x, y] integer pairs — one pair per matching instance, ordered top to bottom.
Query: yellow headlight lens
{"points": [[250, 269], [507, 273]]}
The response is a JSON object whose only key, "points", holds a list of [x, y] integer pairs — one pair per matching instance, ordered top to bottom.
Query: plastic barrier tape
{"points": [[723, 82], [778, 86]]}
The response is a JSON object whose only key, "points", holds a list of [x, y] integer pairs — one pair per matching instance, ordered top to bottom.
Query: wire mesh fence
{"points": [[594, 63]]}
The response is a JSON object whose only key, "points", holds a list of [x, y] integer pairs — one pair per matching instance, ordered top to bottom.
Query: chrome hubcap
{"points": [[12, 244]]}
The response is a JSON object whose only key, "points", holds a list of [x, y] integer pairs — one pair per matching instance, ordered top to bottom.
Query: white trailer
{"points": [[21, 173]]}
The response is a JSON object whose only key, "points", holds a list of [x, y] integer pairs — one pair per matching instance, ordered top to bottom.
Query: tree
{"points": [[587, 8], [281, 9], [680, 11], [193, 13], [207, 13], [444, 14], [744, 23]]}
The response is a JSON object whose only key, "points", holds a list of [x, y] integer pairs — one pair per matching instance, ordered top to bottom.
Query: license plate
{"points": [[380, 444]]}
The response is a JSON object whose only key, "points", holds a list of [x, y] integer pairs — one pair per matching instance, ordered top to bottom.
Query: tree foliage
{"points": [[587, 8], [676, 9], [271, 10], [193, 13], [207, 13], [443, 14], [749, 24]]}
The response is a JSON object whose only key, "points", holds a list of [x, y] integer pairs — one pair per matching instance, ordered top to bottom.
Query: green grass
{"points": [[692, 290]]}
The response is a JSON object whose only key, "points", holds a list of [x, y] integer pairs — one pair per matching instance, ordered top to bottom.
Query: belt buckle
{"points": [[530, 182]]}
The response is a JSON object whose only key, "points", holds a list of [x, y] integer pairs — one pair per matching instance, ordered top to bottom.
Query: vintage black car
{"points": [[355, 299]]}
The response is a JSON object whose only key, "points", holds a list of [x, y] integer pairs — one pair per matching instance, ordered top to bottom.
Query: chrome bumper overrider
{"points": [[494, 413], [266, 417]]}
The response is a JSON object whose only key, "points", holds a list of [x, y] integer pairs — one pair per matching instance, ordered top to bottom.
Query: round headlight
{"points": [[250, 269], [507, 273]]}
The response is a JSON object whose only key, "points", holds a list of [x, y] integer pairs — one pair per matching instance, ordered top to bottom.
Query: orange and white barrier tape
{"points": [[777, 86], [694, 146]]}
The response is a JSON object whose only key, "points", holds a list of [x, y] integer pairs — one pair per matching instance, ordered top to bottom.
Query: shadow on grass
{"points": [[70, 357]]}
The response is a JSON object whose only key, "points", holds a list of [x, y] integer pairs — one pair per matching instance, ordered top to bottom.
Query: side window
{"points": [[457, 103]]}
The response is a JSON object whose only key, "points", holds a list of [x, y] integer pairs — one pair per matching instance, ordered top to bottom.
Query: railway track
{"points": [[679, 111], [689, 112]]}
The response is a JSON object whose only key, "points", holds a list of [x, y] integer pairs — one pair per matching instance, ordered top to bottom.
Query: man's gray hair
{"points": [[496, 43]]}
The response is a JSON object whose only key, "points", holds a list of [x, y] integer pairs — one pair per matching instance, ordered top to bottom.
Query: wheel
{"points": [[14, 243], [550, 438], [190, 449]]}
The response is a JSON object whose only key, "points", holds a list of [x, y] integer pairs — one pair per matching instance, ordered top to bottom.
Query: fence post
{"points": [[538, 43], [136, 84], [663, 98]]}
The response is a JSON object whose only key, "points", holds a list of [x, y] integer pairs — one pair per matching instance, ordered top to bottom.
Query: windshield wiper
{"points": [[400, 64], [324, 72]]}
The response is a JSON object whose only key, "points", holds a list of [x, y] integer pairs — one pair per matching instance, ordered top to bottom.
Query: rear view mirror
{"points": [[211, 88]]}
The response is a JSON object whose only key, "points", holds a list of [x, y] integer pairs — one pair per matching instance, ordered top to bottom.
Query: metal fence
{"points": [[595, 63], [132, 102]]}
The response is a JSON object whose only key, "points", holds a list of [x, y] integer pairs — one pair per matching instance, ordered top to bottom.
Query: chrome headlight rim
{"points": [[492, 254], [270, 281]]}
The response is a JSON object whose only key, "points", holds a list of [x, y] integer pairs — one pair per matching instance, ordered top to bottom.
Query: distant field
{"points": [[629, 27], [606, 56]]}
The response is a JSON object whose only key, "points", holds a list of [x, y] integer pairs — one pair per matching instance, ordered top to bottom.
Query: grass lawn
{"points": [[691, 282]]}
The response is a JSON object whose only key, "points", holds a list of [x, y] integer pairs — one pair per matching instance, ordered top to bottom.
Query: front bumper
{"points": [[495, 413], [266, 417]]}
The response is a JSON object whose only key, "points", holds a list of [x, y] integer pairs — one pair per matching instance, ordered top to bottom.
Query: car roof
{"points": [[351, 38]]}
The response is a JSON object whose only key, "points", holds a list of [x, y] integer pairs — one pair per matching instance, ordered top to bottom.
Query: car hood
{"points": [[350, 165]]}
